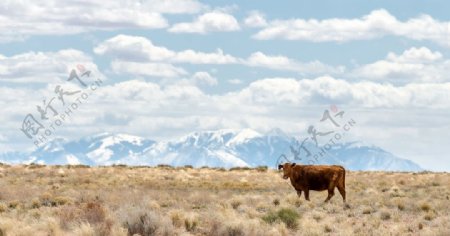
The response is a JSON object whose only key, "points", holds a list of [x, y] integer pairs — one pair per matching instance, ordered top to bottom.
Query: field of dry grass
{"points": [[68, 200]]}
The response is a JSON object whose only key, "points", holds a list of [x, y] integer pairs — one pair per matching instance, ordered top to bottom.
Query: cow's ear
{"points": [[293, 164], [280, 167]]}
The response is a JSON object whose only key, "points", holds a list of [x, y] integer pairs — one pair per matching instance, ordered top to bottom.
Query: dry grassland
{"points": [[76, 200]]}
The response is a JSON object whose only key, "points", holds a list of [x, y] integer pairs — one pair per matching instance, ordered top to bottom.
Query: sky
{"points": [[173, 67]]}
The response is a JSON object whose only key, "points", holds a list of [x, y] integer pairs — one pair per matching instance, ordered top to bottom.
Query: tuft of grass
{"points": [[235, 203], [13, 204], [367, 211], [429, 216], [190, 224]]}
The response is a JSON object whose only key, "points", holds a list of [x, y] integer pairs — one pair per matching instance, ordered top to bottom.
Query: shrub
{"points": [[119, 165], [165, 166], [239, 168], [261, 168], [60, 200], [276, 202], [35, 203], [235, 203], [13, 204], [3, 207], [425, 207], [367, 210], [94, 212], [285, 215], [384, 215], [429, 216], [289, 217], [270, 218], [147, 224], [190, 224], [144, 225], [232, 230]]}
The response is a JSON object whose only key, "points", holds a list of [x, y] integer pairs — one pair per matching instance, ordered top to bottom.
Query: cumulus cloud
{"points": [[52, 17], [255, 19], [215, 21], [374, 25], [134, 48], [141, 49], [279, 62], [413, 65], [43, 67], [147, 69], [203, 77], [235, 81], [161, 111]]}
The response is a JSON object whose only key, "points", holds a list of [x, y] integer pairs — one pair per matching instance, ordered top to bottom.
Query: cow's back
{"points": [[318, 177]]}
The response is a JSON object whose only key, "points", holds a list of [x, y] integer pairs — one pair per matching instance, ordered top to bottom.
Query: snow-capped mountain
{"points": [[222, 148]]}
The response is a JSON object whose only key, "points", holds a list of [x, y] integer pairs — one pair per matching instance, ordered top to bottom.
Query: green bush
{"points": [[285, 215]]}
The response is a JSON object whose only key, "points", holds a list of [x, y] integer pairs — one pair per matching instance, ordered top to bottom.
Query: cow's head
{"points": [[287, 169]]}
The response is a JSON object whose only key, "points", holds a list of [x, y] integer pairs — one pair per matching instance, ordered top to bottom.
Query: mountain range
{"points": [[220, 148]]}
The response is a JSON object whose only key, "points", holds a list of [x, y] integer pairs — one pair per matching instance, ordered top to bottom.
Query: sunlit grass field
{"points": [[120, 200]]}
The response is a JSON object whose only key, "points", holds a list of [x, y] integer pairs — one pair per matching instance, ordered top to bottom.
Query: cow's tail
{"points": [[343, 177]]}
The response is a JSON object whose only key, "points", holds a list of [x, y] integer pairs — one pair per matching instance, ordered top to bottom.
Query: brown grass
{"points": [[121, 200]]}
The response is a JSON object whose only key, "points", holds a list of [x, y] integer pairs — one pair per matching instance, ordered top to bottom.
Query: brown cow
{"points": [[315, 177]]}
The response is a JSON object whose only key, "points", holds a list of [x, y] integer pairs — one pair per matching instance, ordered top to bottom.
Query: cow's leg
{"points": [[330, 191], [341, 191], [299, 193], [306, 194], [330, 195]]}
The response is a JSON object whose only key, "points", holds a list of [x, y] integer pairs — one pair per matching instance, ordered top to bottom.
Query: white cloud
{"points": [[174, 6], [52, 17], [255, 19], [208, 22], [374, 25], [133, 48], [139, 49], [416, 55], [191, 56], [279, 62], [413, 65], [43, 67], [147, 69], [203, 77], [235, 81], [326, 90], [161, 111]]}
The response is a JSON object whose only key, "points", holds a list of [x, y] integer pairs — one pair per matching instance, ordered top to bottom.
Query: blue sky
{"points": [[173, 67]]}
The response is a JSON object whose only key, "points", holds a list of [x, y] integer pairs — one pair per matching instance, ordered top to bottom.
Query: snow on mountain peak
{"points": [[243, 136], [220, 148]]}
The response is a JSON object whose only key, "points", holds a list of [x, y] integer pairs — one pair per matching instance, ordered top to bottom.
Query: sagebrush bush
{"points": [[285, 215]]}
